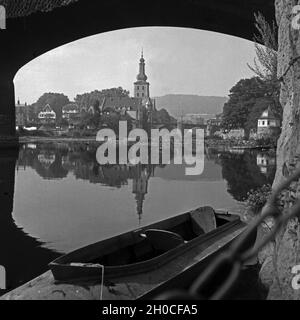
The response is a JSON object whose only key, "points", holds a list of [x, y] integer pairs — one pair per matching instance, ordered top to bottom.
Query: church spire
{"points": [[142, 75], [141, 86]]}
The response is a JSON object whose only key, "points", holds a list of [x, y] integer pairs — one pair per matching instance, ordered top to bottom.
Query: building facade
{"points": [[141, 86], [140, 107], [70, 111], [21, 114], [47, 115], [268, 124]]}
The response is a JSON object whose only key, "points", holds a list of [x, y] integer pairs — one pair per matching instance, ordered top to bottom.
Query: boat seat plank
{"points": [[203, 220], [163, 240]]}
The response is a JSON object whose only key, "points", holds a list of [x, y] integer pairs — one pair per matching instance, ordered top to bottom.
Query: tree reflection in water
{"points": [[247, 171], [25, 257]]}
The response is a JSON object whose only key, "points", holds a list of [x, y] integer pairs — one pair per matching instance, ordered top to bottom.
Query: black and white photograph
{"points": [[149, 151]]}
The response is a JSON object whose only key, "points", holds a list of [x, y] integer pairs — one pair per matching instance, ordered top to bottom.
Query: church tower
{"points": [[141, 86]]}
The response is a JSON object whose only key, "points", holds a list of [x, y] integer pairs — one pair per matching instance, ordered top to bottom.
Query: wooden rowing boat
{"points": [[147, 248], [140, 264]]}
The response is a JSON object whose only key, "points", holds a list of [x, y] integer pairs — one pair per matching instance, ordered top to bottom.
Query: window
{"points": [[138, 87], [143, 88], [138, 94], [142, 94], [263, 123], [268, 123]]}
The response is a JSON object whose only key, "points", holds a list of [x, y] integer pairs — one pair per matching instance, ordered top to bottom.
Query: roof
{"points": [[120, 102], [147, 102], [21, 105], [70, 107], [47, 108], [268, 114]]}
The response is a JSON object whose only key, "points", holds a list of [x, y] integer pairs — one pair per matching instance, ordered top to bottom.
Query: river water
{"points": [[56, 197]]}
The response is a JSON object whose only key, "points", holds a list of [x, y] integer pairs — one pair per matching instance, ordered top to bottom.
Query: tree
{"points": [[266, 47], [266, 61], [55, 100], [86, 100], [241, 100], [247, 100], [96, 106], [162, 116], [88, 119], [62, 122], [242, 174]]}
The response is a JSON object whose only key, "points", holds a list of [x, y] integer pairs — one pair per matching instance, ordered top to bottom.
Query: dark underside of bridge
{"points": [[28, 37]]}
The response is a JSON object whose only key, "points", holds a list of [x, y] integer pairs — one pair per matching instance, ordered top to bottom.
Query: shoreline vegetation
{"points": [[209, 142]]}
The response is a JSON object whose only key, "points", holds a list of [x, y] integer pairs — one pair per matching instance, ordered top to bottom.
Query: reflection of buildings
{"points": [[236, 151], [46, 159], [54, 161], [266, 163], [243, 173], [140, 186], [21, 255]]}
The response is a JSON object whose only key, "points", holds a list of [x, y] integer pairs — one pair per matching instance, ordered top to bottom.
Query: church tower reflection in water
{"points": [[140, 186]]}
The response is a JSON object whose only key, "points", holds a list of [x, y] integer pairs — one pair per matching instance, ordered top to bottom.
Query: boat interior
{"points": [[148, 243]]}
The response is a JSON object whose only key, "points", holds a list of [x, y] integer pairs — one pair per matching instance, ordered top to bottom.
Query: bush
{"points": [[76, 134], [214, 138], [267, 141], [256, 199]]}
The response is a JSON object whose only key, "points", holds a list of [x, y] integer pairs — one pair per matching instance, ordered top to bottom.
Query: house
{"points": [[119, 104], [139, 108], [70, 111], [21, 114], [47, 115], [195, 119], [268, 124], [213, 125], [234, 134]]}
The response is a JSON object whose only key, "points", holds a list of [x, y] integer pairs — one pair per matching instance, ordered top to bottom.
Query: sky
{"points": [[178, 61]]}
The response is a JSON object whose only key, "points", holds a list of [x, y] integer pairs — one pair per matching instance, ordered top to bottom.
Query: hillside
{"points": [[181, 104]]}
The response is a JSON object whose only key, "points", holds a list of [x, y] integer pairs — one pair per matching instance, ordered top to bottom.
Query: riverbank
{"points": [[31, 139], [208, 142], [238, 145]]}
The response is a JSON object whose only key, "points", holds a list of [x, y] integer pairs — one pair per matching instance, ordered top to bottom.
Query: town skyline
{"points": [[172, 63]]}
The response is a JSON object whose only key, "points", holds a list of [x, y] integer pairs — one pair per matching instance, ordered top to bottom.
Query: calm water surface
{"points": [[56, 198]]}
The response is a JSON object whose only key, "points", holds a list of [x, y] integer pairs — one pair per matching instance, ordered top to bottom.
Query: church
{"points": [[137, 107]]}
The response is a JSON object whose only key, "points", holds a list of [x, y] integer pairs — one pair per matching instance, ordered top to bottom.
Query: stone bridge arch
{"points": [[33, 33]]}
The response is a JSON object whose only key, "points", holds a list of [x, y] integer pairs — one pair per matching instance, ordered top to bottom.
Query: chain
{"points": [[228, 265]]}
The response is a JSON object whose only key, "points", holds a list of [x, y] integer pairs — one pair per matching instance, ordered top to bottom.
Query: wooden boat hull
{"points": [[64, 270], [178, 272]]}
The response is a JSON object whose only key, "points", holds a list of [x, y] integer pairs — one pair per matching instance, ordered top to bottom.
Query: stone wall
{"points": [[268, 131], [284, 253]]}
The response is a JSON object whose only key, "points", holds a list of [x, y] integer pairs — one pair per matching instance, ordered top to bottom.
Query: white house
{"points": [[70, 110], [47, 114], [268, 123]]}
